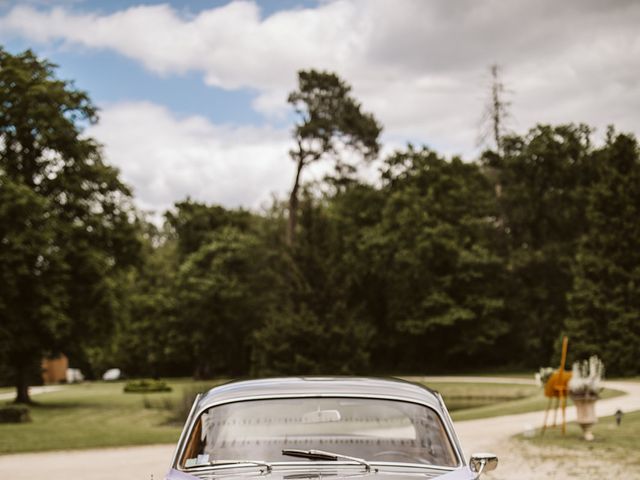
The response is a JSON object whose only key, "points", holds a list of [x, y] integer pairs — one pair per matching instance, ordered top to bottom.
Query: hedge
{"points": [[146, 386]]}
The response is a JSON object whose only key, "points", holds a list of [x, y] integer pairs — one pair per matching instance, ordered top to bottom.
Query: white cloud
{"points": [[420, 66], [167, 159]]}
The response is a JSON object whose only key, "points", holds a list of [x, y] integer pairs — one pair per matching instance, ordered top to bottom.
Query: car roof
{"points": [[320, 386]]}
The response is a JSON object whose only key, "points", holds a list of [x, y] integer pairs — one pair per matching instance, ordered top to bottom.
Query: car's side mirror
{"points": [[483, 462]]}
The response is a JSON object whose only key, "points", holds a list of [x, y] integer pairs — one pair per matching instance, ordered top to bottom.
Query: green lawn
{"points": [[519, 374], [460, 395], [469, 401], [530, 403], [96, 415], [100, 415], [611, 442]]}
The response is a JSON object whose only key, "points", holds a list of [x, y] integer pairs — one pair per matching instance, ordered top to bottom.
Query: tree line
{"points": [[437, 265]]}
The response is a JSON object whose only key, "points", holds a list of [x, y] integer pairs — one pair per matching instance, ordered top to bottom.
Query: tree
{"points": [[496, 111], [330, 121], [544, 176], [194, 223], [66, 226], [435, 252], [225, 291], [31, 293], [605, 299], [324, 327], [152, 337], [148, 340], [301, 343]]}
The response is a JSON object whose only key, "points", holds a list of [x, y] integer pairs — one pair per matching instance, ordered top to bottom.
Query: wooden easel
{"points": [[557, 387]]}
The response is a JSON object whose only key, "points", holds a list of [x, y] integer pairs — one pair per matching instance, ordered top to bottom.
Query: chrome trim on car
{"points": [[188, 422], [447, 424], [450, 429], [317, 463]]}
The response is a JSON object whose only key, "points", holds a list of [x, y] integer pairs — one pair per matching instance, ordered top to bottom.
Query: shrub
{"points": [[146, 386], [161, 403], [182, 408], [14, 414]]}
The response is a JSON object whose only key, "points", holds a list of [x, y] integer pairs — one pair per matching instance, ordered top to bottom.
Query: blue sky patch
{"points": [[110, 77]]}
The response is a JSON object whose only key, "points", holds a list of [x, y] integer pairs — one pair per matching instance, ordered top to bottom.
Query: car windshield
{"points": [[372, 429]]}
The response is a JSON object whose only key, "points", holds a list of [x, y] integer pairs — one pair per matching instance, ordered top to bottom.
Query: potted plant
{"points": [[584, 389]]}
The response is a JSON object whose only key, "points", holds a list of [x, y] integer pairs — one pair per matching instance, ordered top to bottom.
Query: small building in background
{"points": [[54, 369]]}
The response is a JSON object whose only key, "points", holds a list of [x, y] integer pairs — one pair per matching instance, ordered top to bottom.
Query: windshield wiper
{"points": [[322, 455], [218, 463]]}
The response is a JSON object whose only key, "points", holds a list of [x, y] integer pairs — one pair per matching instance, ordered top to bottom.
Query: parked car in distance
{"points": [[302, 428]]}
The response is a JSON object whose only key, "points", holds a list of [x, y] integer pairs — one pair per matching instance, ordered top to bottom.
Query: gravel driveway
{"points": [[517, 459]]}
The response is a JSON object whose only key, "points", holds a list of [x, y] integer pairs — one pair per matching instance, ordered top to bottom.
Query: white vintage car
{"points": [[338, 427]]}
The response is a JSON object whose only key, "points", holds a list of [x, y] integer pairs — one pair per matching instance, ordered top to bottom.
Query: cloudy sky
{"points": [[193, 93]]}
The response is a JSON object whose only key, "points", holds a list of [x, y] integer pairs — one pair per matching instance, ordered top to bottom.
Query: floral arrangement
{"points": [[543, 375], [586, 378]]}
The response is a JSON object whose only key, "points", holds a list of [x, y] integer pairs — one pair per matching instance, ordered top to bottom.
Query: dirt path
{"points": [[32, 391], [484, 434], [517, 459], [522, 461], [126, 463]]}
